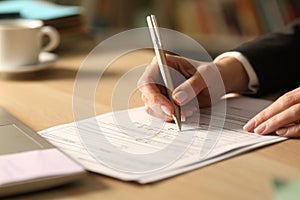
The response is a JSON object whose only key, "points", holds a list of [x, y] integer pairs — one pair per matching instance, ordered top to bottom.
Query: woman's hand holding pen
{"points": [[200, 81], [154, 94]]}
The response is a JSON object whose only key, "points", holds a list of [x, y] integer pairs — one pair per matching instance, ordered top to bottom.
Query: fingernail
{"points": [[180, 96], [166, 110], [183, 118], [249, 126], [260, 129], [282, 132]]}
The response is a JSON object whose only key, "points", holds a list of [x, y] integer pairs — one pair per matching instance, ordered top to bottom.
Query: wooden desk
{"points": [[45, 100]]}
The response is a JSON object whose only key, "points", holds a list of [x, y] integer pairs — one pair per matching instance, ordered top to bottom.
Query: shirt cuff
{"points": [[253, 84]]}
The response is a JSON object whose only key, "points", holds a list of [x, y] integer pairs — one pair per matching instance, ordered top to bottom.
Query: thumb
{"points": [[208, 77], [189, 89]]}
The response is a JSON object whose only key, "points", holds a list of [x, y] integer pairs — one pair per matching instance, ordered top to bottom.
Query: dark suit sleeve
{"points": [[275, 59]]}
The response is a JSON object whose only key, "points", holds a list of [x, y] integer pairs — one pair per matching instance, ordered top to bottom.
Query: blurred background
{"points": [[217, 24]]}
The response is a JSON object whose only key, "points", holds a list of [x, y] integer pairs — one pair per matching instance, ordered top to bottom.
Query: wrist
{"points": [[234, 76]]}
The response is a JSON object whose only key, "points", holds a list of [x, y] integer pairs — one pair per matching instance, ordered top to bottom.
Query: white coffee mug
{"points": [[21, 41]]}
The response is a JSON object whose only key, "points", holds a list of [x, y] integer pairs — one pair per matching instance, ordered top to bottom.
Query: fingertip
{"points": [[154, 60], [188, 90], [180, 97], [144, 98], [166, 109], [148, 110], [157, 111], [183, 118], [249, 126], [261, 129], [292, 131], [282, 132]]}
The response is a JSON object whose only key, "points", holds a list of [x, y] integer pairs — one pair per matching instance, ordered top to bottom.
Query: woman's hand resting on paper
{"points": [[281, 117]]}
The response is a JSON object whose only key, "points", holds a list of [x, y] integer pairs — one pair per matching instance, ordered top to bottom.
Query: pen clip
{"points": [[154, 22], [153, 32]]}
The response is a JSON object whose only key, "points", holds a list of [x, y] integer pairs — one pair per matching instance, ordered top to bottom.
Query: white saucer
{"points": [[46, 60]]}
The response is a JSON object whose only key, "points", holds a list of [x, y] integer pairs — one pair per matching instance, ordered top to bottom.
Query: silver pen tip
{"points": [[177, 123]]}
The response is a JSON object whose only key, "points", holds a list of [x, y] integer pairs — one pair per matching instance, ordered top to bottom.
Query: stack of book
{"points": [[63, 18]]}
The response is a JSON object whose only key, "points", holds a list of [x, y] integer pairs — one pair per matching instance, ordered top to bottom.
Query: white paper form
{"points": [[216, 145]]}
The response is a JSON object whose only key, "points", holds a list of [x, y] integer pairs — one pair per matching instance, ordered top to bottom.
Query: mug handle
{"points": [[54, 38]]}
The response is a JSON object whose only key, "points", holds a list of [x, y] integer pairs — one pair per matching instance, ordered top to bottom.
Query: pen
{"points": [[162, 64]]}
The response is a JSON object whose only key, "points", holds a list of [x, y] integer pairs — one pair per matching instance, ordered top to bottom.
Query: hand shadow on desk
{"points": [[56, 73], [87, 185]]}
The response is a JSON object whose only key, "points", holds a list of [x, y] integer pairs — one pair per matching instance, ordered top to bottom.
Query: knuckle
{"points": [[168, 56], [202, 69], [144, 98], [151, 99], [156, 99], [287, 100], [148, 109], [297, 110], [261, 117], [273, 121]]}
